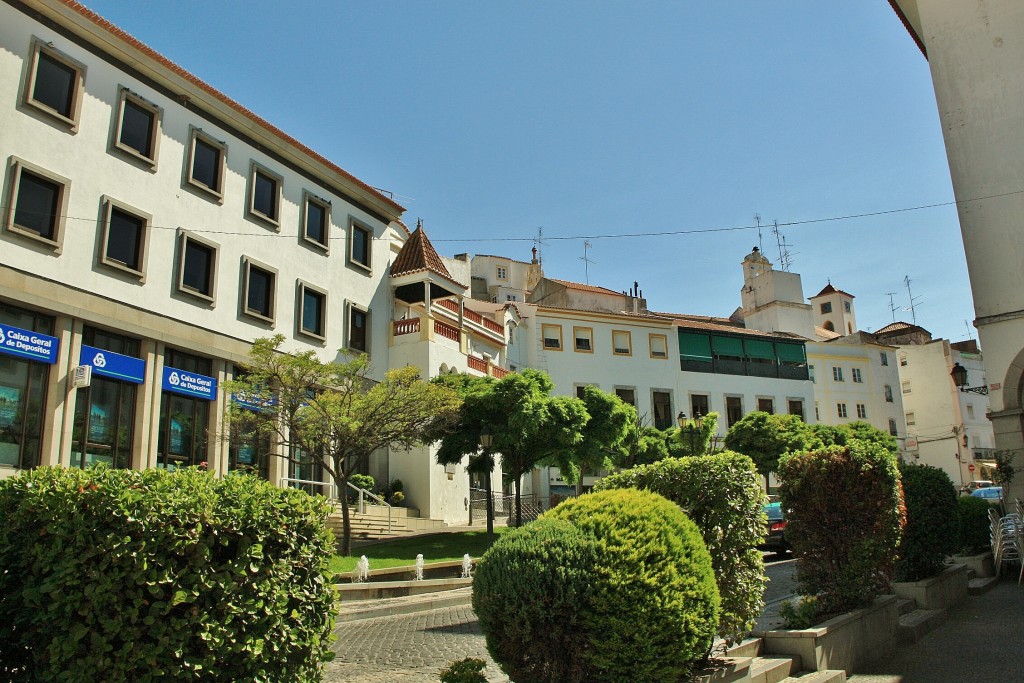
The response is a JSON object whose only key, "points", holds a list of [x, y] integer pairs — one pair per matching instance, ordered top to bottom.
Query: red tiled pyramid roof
{"points": [[418, 255], [829, 289]]}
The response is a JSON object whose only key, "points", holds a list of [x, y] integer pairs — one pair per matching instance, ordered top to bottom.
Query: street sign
{"points": [[970, 468]]}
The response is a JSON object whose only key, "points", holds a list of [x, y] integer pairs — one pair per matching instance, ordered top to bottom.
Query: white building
{"points": [[976, 55]]}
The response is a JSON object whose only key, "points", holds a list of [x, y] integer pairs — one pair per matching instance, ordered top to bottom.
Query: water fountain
{"points": [[467, 566], [419, 568], [362, 570]]}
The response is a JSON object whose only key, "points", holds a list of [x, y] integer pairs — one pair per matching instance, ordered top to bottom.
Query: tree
{"points": [[334, 412], [529, 426], [605, 436], [765, 437], [690, 440], [644, 445]]}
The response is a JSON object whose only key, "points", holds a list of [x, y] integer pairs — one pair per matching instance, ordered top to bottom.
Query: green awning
{"points": [[694, 346], [727, 346], [760, 348], [792, 353]]}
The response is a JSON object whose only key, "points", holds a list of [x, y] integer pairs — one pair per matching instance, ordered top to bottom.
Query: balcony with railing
{"points": [[479, 322]]}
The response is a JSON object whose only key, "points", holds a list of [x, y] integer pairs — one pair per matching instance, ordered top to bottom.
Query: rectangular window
{"points": [[54, 84], [138, 127], [205, 163], [264, 194], [36, 205], [316, 221], [125, 234], [359, 251], [502, 273], [197, 274], [259, 289], [510, 297], [846, 306], [826, 307], [312, 311], [358, 329], [552, 335], [584, 337], [622, 343], [658, 345], [883, 357], [903, 360], [810, 373], [837, 374], [857, 376], [905, 387], [23, 388], [888, 393], [627, 396], [661, 401], [699, 404], [766, 405], [796, 407], [733, 409], [841, 409], [817, 411], [862, 411], [970, 411], [911, 420], [892, 427]]}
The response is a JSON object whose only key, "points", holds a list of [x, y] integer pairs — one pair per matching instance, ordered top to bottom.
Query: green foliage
{"points": [[865, 431], [605, 435], [766, 437], [680, 444], [644, 445], [1004, 469], [363, 481], [722, 495], [397, 498], [845, 516], [932, 525], [974, 531], [121, 575], [532, 592], [654, 606], [801, 613], [468, 670]]}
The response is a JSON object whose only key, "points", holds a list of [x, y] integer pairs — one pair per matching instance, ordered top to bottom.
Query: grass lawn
{"points": [[403, 551]]}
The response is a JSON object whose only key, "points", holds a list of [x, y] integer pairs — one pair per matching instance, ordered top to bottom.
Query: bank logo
{"points": [[3, 337], [99, 361], [173, 379]]}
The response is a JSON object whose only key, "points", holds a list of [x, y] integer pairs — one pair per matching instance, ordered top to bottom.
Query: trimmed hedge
{"points": [[722, 495], [845, 515], [932, 524], [974, 532], [120, 575]]}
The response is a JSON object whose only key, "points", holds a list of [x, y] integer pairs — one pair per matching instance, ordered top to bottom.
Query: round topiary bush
{"points": [[932, 524], [974, 529], [121, 575], [530, 592], [653, 610]]}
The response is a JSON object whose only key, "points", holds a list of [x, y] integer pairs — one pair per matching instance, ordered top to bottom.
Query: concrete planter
{"points": [[982, 564], [936, 592], [848, 641]]}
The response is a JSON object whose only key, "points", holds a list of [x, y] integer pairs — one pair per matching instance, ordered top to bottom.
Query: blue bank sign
{"points": [[26, 344], [114, 365], [190, 383]]}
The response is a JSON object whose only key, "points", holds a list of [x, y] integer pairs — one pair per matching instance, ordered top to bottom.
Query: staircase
{"points": [[373, 523], [746, 663]]}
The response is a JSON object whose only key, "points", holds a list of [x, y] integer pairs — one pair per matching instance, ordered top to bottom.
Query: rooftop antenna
{"points": [[539, 242], [760, 242], [785, 260], [587, 261], [913, 299], [892, 306], [967, 325]]}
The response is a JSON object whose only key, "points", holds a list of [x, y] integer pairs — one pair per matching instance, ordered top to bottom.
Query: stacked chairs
{"points": [[1007, 542]]}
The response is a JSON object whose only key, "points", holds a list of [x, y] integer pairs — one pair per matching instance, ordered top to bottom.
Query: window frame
{"points": [[38, 47], [125, 95], [195, 135], [17, 167], [258, 169], [325, 204], [109, 206], [353, 225], [184, 237], [248, 263], [501, 272], [301, 287], [825, 307], [351, 309], [544, 337], [575, 339], [629, 343], [650, 345], [883, 358], [837, 373], [857, 376], [623, 387], [905, 387], [887, 393], [771, 402], [841, 411], [862, 411], [670, 418], [910, 418]]}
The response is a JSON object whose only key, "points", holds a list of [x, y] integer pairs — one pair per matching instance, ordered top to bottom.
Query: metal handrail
{"points": [[330, 485], [374, 496]]}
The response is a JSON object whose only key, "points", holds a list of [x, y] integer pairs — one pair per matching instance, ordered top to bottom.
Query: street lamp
{"points": [[959, 375], [694, 427], [486, 441]]}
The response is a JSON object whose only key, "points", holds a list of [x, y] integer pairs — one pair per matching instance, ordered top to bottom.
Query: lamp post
{"points": [[959, 375], [694, 427], [486, 440]]}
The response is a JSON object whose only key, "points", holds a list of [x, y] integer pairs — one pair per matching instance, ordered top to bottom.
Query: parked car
{"points": [[972, 486], [993, 494], [775, 540]]}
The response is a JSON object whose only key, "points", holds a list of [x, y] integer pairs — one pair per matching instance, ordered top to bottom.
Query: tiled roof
{"points": [[910, 29], [209, 89], [418, 255], [584, 288], [829, 289], [626, 314], [700, 318], [715, 327], [895, 327], [826, 334]]}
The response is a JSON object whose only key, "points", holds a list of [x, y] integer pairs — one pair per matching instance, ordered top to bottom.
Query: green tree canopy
{"points": [[605, 436], [765, 437]]}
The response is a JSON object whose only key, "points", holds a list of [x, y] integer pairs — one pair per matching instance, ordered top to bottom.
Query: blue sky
{"points": [[490, 120]]}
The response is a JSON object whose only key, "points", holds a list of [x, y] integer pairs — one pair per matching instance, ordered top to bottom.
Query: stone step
{"points": [[982, 585], [905, 605], [359, 611], [916, 624], [749, 647], [773, 669], [726, 670], [823, 676]]}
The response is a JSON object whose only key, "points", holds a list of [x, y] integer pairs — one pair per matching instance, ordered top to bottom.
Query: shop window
{"points": [[23, 385], [184, 420]]}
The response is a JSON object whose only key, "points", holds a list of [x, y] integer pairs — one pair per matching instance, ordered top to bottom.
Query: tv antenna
{"points": [[539, 242], [760, 242], [587, 246], [785, 258], [913, 299], [892, 307], [967, 326]]}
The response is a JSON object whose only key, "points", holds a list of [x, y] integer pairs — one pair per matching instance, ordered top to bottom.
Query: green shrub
{"points": [[363, 481], [722, 494], [845, 515], [932, 525], [974, 529], [121, 575], [531, 590], [653, 610], [468, 670]]}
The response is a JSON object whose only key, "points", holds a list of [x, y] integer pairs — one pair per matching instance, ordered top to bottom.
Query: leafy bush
{"points": [[363, 481], [722, 495], [397, 498], [845, 512], [932, 525], [974, 531], [121, 575], [468, 670]]}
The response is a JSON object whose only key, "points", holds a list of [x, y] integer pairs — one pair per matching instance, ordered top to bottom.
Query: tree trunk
{"points": [[489, 463], [519, 505], [346, 520]]}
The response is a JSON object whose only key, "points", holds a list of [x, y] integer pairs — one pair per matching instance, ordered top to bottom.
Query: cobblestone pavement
{"points": [[408, 648]]}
